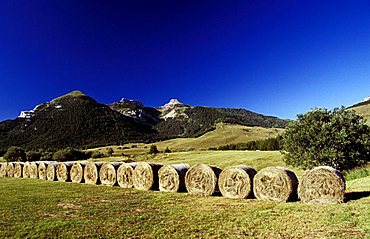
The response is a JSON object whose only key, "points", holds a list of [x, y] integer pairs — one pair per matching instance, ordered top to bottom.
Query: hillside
{"points": [[362, 108], [74, 120], [77, 120], [196, 121], [222, 135]]}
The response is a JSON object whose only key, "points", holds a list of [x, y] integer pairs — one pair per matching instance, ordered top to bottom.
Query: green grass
{"points": [[364, 111], [222, 135], [222, 159], [32, 208]]}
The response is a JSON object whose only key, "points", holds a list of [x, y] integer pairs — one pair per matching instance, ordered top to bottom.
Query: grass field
{"points": [[363, 110], [222, 135], [32, 208]]}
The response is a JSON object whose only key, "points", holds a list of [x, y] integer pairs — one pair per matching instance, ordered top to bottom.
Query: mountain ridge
{"points": [[77, 120]]}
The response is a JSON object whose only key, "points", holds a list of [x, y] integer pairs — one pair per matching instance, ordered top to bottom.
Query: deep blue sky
{"points": [[273, 57]]}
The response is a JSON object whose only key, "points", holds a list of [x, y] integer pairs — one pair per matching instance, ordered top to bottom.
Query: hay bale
{"points": [[3, 169], [10, 169], [18, 169], [43, 169], [26, 170], [34, 170], [63, 171], [77, 172], [91, 172], [108, 173], [51, 174], [124, 175], [145, 176], [172, 177], [201, 179], [237, 182], [275, 184], [322, 185]]}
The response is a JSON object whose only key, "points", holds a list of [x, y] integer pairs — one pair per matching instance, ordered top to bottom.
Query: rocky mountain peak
{"points": [[131, 103]]}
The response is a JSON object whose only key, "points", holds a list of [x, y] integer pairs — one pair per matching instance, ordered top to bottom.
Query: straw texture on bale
{"points": [[3, 169], [18, 169], [43, 169], [10, 170], [26, 170], [34, 170], [51, 170], [63, 171], [77, 172], [91, 172], [108, 173], [124, 175], [145, 176], [172, 177], [201, 179], [237, 182], [275, 184], [322, 185]]}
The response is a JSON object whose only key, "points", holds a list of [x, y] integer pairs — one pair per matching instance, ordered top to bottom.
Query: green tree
{"points": [[337, 138], [153, 149], [167, 150], [15, 154], [68, 154], [33, 156]]}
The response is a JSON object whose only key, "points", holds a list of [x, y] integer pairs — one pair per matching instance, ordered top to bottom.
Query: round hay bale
{"points": [[3, 169], [18, 169], [43, 169], [51, 169], [10, 170], [26, 170], [34, 170], [63, 170], [77, 172], [91, 172], [108, 173], [124, 175], [145, 176], [172, 177], [201, 179], [237, 182], [275, 184], [322, 185]]}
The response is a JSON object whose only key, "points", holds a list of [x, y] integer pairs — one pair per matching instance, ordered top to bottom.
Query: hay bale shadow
{"points": [[351, 196]]}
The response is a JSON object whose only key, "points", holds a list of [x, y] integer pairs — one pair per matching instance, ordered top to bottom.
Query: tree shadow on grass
{"points": [[350, 196]]}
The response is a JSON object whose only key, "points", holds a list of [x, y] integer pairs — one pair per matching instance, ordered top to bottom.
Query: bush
{"points": [[337, 138], [153, 149], [15, 154], [68, 154], [33, 156], [46, 156]]}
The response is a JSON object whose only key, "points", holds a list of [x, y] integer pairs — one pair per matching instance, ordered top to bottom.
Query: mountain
{"points": [[363, 108], [74, 120], [77, 120]]}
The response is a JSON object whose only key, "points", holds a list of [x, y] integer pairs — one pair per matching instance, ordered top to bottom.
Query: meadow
{"points": [[32, 208]]}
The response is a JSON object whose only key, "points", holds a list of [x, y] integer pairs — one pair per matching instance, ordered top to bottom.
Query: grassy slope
{"points": [[363, 110], [222, 135], [32, 208]]}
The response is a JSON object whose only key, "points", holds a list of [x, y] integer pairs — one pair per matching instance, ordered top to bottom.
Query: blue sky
{"points": [[272, 57]]}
